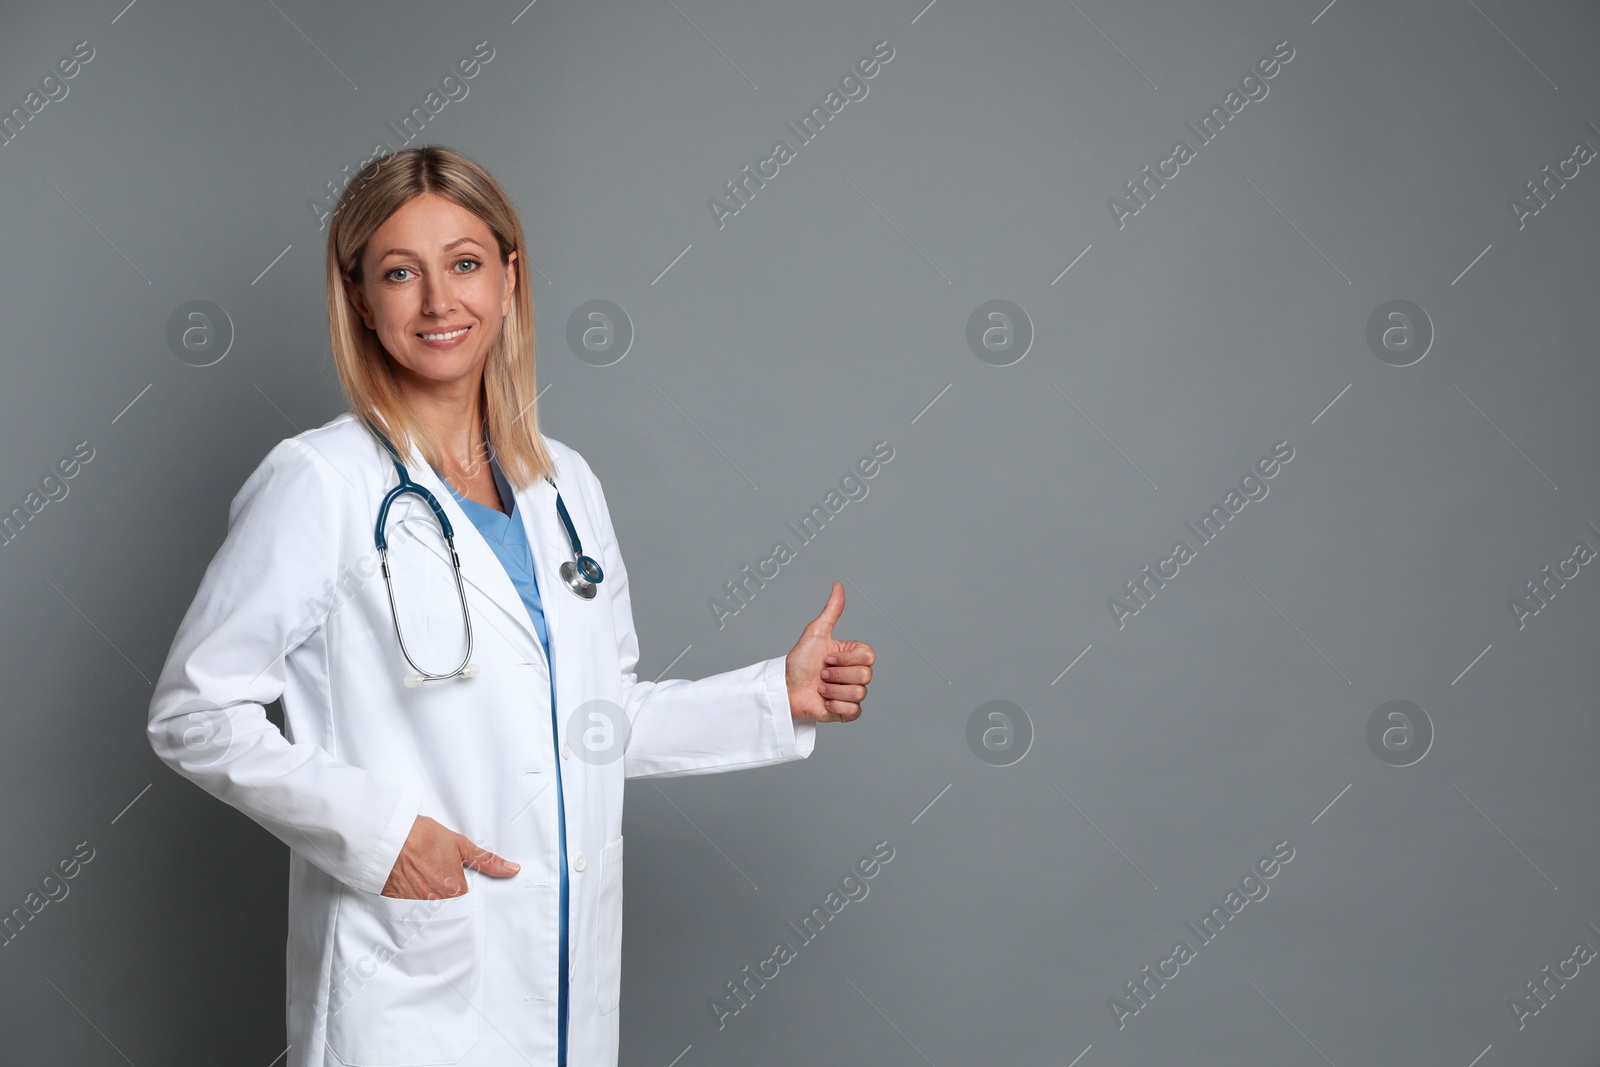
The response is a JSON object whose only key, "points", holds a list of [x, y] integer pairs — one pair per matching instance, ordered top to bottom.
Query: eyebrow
{"points": [[448, 247]]}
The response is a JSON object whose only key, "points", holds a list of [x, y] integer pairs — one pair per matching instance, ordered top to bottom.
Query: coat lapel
{"points": [[536, 505]]}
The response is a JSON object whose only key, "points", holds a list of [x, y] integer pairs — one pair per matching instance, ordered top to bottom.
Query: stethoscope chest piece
{"points": [[581, 573], [581, 576]]}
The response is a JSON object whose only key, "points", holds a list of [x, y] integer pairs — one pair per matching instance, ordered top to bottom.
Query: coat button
{"points": [[566, 753], [580, 861]]}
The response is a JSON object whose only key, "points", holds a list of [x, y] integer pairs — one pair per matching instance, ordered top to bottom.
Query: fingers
{"points": [[823, 623], [851, 653], [844, 681], [842, 711], [481, 859]]}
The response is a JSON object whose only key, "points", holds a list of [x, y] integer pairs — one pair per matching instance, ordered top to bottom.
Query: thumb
{"points": [[831, 611], [481, 859]]}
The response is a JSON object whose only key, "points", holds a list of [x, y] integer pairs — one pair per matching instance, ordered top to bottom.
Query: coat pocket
{"points": [[608, 929], [404, 986]]}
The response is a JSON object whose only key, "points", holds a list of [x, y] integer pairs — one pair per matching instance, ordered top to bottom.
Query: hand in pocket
{"points": [[433, 863]]}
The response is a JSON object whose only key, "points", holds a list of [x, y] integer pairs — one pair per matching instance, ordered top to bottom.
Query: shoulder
{"points": [[343, 444], [340, 447], [569, 463], [309, 467], [577, 480]]}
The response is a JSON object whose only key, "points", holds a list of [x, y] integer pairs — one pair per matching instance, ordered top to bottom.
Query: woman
{"points": [[451, 797]]}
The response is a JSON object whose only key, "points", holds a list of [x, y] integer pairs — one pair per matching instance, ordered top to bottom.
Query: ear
{"points": [[511, 283], [358, 299]]}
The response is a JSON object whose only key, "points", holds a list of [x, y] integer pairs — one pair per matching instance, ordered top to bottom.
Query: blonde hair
{"points": [[367, 371]]}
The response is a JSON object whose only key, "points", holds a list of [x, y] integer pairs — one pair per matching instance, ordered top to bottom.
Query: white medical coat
{"points": [[293, 605]]}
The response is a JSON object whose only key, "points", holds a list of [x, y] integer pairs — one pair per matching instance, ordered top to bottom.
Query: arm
{"points": [[265, 592], [737, 719]]}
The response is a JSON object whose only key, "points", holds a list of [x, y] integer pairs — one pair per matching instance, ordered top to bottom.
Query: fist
{"points": [[827, 678]]}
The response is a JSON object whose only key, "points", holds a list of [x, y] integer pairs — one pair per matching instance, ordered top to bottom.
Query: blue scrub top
{"points": [[509, 539]]}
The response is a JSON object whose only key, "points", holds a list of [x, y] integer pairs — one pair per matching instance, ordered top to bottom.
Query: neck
{"points": [[453, 414]]}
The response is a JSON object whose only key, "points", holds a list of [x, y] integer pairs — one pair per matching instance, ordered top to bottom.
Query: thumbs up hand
{"points": [[828, 678]]}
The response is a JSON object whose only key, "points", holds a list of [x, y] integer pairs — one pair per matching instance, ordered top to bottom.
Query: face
{"points": [[435, 292]]}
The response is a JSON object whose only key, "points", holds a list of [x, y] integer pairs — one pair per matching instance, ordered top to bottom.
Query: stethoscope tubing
{"points": [[408, 486], [580, 574]]}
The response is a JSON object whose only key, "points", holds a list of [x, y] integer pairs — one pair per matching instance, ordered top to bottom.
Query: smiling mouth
{"points": [[448, 335]]}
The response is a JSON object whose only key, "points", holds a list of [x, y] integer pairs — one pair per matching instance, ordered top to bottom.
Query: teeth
{"points": [[444, 336]]}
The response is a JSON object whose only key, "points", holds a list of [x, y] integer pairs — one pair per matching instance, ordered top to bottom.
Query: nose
{"points": [[437, 297]]}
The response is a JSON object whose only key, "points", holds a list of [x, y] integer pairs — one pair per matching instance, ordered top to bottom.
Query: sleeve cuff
{"points": [[796, 739], [387, 850]]}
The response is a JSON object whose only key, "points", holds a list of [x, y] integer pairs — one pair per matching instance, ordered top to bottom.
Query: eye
{"points": [[473, 263], [390, 275]]}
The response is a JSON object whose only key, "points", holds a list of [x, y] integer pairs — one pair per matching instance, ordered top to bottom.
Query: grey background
{"points": [[829, 314]]}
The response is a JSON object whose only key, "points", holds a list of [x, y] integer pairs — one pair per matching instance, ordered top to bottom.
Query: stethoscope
{"points": [[580, 574]]}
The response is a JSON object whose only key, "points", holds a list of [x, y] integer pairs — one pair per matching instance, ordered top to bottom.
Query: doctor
{"points": [[452, 805]]}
